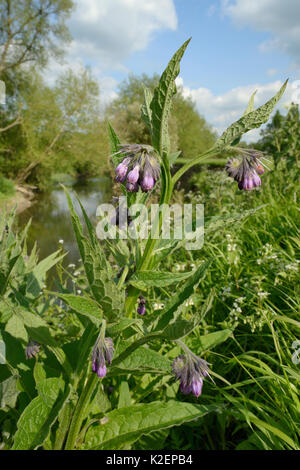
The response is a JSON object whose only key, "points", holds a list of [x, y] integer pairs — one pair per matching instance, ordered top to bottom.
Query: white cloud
{"points": [[279, 17], [109, 31], [221, 110]]}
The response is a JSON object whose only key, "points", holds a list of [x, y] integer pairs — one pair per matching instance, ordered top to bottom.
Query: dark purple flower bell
{"points": [[140, 167], [246, 171], [141, 310], [32, 349], [102, 352], [190, 370]]}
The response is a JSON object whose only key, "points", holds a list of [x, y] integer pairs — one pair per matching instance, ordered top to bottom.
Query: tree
{"points": [[31, 31], [188, 130], [60, 132], [281, 137]]}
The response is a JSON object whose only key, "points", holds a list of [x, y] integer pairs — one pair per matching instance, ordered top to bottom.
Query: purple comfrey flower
{"points": [[140, 167], [122, 169], [246, 171], [133, 175], [148, 182], [141, 310], [32, 349], [102, 352], [190, 370]]}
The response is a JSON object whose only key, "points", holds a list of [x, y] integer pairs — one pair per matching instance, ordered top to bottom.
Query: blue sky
{"points": [[237, 46]]}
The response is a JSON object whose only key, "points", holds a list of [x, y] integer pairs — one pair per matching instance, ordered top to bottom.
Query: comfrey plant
{"points": [[123, 345]]}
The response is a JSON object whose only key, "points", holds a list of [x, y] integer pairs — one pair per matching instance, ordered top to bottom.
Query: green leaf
{"points": [[162, 102], [250, 106], [146, 112], [251, 120], [114, 144], [174, 156], [98, 271], [5, 273], [36, 278], [144, 279], [83, 305], [167, 314], [123, 324], [15, 327], [180, 327], [207, 342], [142, 360], [9, 392], [124, 395], [36, 420], [126, 425]]}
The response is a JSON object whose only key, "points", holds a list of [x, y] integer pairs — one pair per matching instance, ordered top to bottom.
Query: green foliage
{"points": [[250, 120], [281, 138], [234, 303], [126, 425]]}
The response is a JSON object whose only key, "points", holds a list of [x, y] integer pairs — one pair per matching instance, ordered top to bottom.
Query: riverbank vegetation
{"points": [[146, 344]]}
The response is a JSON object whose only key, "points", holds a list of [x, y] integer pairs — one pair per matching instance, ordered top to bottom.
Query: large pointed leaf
{"points": [[162, 102], [248, 121], [98, 273], [144, 279], [84, 306], [167, 314], [142, 360], [36, 420], [126, 425]]}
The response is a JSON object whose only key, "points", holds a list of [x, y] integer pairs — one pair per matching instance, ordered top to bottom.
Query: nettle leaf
{"points": [[162, 102], [248, 121], [98, 270], [144, 279], [84, 306], [167, 314], [142, 360], [36, 420], [126, 425]]}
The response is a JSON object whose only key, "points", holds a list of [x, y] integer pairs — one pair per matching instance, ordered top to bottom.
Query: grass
{"points": [[255, 275]]}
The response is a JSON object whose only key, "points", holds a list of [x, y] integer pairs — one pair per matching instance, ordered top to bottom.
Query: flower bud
{"points": [[121, 170], [133, 175], [147, 182]]}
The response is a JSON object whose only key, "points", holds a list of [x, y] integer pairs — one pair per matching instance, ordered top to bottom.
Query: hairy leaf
{"points": [[162, 102], [251, 120], [126, 425]]}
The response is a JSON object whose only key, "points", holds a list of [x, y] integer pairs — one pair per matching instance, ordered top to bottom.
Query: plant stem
{"points": [[193, 162], [80, 411]]}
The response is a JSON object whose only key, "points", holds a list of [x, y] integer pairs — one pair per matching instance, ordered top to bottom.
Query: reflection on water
{"points": [[51, 220]]}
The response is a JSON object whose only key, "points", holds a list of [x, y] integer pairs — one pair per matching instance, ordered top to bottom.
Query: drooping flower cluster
{"points": [[139, 168], [246, 171], [141, 310], [32, 349], [103, 352], [190, 370]]}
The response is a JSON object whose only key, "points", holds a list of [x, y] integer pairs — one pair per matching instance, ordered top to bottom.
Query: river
{"points": [[51, 220]]}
